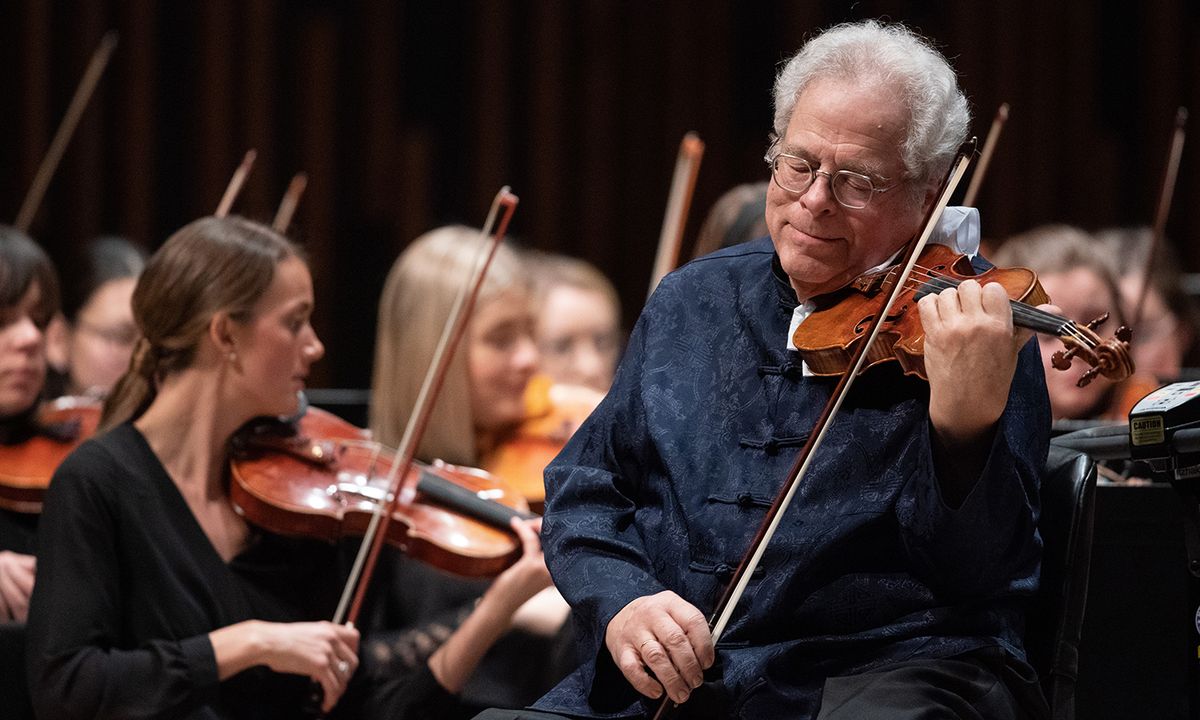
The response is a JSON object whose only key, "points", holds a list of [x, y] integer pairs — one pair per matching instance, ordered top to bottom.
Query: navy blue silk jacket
{"points": [[667, 482]]}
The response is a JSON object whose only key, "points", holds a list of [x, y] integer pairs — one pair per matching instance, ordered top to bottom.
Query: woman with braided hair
{"points": [[154, 597]]}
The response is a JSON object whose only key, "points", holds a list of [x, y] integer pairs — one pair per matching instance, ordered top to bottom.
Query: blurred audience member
{"points": [[736, 217], [1079, 282], [577, 321], [1165, 334], [91, 343]]}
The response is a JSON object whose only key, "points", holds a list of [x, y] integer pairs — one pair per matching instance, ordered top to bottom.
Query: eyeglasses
{"points": [[796, 175], [121, 335]]}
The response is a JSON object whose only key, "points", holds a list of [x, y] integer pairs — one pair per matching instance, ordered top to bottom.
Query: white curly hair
{"points": [[893, 57]]}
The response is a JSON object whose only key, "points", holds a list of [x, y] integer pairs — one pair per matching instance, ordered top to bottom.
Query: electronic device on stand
{"points": [[1162, 441]]}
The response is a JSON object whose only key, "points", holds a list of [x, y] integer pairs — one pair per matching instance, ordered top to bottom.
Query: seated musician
{"points": [[736, 217], [28, 301], [577, 321], [1167, 330], [92, 341], [485, 398], [896, 584], [157, 599]]}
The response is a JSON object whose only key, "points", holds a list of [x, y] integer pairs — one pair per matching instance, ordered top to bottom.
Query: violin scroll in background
{"points": [[827, 339], [321, 477]]}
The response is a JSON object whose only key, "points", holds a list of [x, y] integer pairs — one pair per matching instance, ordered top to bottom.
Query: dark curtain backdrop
{"points": [[411, 114]]}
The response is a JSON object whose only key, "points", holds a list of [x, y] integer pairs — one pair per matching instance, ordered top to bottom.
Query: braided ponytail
{"points": [[135, 389]]}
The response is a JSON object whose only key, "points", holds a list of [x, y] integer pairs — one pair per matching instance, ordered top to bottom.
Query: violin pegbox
{"points": [[1109, 358]]}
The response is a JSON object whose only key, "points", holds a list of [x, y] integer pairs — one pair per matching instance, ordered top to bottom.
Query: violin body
{"points": [[829, 336], [553, 413], [26, 467], [325, 480]]}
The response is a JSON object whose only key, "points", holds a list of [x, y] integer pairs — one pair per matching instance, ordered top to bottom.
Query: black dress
{"points": [[18, 533], [129, 587]]}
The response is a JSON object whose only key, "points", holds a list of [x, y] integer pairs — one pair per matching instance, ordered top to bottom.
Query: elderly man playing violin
{"points": [[896, 583]]}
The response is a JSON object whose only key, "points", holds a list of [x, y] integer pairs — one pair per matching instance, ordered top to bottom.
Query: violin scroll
{"points": [[1109, 358]]}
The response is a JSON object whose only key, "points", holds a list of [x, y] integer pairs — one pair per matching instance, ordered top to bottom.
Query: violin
{"points": [[826, 340], [553, 413], [27, 466], [323, 477]]}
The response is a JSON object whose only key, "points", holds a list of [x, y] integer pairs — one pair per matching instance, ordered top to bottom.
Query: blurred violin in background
{"points": [[554, 411], [27, 464]]}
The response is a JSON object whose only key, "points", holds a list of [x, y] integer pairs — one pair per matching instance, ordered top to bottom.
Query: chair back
{"points": [[1055, 620]]}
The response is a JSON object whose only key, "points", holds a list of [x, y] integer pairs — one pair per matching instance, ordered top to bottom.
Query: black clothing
{"points": [[18, 531], [129, 587], [425, 605], [984, 684]]}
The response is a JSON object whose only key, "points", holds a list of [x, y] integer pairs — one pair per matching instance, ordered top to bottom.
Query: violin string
{"points": [[1021, 311], [1028, 314], [375, 452]]}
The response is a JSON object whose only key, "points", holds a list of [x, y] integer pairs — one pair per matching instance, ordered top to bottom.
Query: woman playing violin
{"points": [[28, 301], [494, 386], [484, 392], [155, 598]]}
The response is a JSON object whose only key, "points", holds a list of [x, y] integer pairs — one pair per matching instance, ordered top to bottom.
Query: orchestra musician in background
{"points": [[736, 217], [1078, 280], [29, 297], [577, 322], [1165, 333], [92, 340], [483, 400]]}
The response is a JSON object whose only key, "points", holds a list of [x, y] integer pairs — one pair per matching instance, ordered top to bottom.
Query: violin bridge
{"points": [[871, 283]]}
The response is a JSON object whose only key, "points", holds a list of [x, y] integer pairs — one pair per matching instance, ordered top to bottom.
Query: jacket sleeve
{"points": [[595, 490], [988, 544], [76, 668]]}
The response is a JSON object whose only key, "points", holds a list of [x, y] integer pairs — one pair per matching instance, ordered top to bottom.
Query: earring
{"points": [[232, 356]]}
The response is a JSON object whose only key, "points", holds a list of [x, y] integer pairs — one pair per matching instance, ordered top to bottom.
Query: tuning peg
{"points": [[1097, 322], [1062, 360], [1087, 377]]}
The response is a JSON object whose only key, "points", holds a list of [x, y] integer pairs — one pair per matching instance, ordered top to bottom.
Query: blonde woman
{"points": [[578, 321], [483, 401]]}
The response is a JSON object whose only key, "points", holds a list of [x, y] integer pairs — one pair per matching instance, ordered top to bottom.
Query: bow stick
{"points": [[79, 102], [985, 157], [235, 183], [679, 200], [287, 206], [1164, 209], [452, 332]]}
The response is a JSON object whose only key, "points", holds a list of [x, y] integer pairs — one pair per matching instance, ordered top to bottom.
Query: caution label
{"points": [[1146, 430]]}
